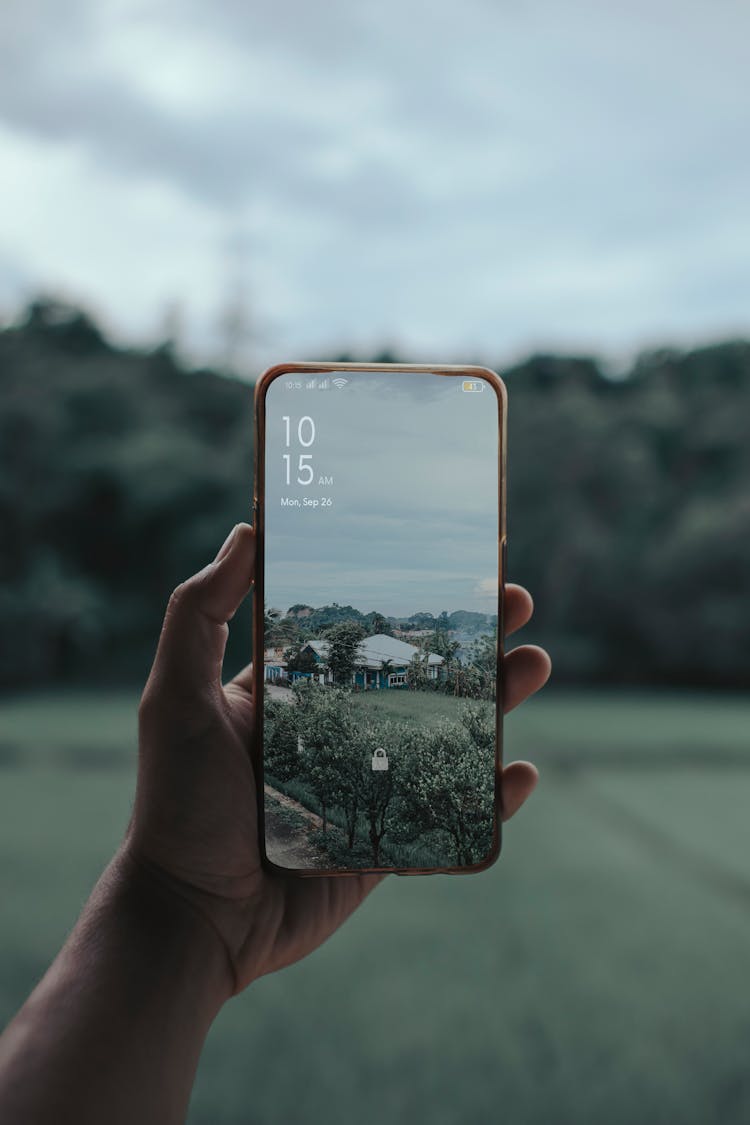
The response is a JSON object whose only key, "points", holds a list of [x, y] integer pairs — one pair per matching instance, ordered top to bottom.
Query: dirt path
{"points": [[283, 694], [290, 803], [286, 845]]}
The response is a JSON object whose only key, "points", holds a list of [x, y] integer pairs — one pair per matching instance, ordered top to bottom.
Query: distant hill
{"points": [[327, 615], [311, 619], [468, 621]]}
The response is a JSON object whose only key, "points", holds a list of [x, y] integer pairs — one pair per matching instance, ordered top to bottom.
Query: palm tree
{"points": [[271, 619], [386, 667]]}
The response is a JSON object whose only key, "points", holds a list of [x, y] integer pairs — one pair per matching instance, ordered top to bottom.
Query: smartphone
{"points": [[378, 617]]}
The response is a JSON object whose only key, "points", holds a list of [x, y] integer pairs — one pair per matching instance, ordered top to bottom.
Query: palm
{"points": [[196, 824], [307, 910]]}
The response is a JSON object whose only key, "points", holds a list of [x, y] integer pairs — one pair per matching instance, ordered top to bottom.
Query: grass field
{"points": [[412, 706], [596, 974]]}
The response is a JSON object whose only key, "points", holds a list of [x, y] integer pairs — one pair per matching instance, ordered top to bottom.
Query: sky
{"points": [[459, 182], [407, 465]]}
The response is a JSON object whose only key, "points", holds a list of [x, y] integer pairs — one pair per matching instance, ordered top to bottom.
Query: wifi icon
{"points": [[339, 382]]}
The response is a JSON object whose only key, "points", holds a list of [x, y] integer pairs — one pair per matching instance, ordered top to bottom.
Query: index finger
{"points": [[518, 606]]}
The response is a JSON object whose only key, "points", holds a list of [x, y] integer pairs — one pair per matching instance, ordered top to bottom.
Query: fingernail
{"points": [[226, 544]]}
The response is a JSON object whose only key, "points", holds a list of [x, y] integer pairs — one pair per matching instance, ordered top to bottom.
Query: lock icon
{"points": [[380, 759]]}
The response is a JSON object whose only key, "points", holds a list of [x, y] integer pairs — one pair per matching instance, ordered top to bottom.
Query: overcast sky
{"points": [[461, 180], [413, 523]]}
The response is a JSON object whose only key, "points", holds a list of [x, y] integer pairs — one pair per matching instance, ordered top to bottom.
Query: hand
{"points": [[194, 825]]}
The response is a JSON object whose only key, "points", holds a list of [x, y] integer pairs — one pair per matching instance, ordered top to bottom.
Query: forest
{"points": [[122, 470]]}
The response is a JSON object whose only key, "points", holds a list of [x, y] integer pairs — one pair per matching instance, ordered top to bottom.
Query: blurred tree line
{"points": [[121, 473]]}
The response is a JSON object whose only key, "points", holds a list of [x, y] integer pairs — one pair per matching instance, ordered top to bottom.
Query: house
{"points": [[381, 662], [274, 665]]}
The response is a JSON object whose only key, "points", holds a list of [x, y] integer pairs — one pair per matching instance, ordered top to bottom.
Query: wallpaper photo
{"points": [[381, 591]]}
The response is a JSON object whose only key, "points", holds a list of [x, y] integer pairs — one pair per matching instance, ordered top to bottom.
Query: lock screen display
{"points": [[380, 619]]}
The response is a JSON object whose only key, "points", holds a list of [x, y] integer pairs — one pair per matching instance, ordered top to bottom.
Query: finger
{"points": [[222, 586], [518, 606], [191, 646], [525, 670], [244, 679], [519, 782]]}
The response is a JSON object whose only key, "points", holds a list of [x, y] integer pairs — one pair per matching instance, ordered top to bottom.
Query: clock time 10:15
{"points": [[298, 466]]}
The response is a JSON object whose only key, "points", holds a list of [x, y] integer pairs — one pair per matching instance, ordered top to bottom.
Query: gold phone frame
{"points": [[261, 389]]}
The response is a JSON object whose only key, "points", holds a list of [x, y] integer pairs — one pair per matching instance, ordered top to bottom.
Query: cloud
{"points": [[478, 182], [413, 519], [486, 587]]}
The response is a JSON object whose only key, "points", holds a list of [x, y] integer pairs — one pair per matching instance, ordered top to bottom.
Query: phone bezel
{"points": [[261, 389]]}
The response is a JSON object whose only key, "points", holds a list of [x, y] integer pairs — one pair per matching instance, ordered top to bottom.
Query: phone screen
{"points": [[381, 592]]}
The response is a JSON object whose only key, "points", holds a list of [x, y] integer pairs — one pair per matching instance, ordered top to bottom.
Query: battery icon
{"points": [[472, 385]]}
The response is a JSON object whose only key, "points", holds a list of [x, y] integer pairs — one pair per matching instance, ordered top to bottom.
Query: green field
{"points": [[412, 706], [597, 974]]}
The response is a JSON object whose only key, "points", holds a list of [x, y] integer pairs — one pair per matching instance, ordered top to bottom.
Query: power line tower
{"points": [[236, 324]]}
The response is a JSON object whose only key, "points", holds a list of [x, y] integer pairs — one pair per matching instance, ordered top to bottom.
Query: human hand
{"points": [[195, 825]]}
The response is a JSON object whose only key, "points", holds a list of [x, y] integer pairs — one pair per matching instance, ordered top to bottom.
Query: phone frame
{"points": [[261, 389]]}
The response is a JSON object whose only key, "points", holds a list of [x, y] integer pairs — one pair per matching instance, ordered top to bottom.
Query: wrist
{"points": [[167, 929], [115, 1028]]}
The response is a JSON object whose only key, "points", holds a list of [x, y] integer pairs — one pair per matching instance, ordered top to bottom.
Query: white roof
{"points": [[373, 651]]}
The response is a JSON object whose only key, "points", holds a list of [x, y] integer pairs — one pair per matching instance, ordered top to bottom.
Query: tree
{"points": [[146, 465], [271, 619], [421, 621], [379, 624], [278, 628], [343, 643], [441, 644], [483, 652], [298, 658], [483, 658], [416, 672], [464, 680], [480, 724], [281, 742], [329, 767], [447, 787], [378, 788]]}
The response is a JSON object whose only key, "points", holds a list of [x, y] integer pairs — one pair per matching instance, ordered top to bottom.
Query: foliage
{"points": [[121, 473], [323, 617], [470, 622], [376, 623], [278, 629], [440, 641], [343, 642], [298, 660], [416, 673], [476, 677], [281, 742], [328, 764], [377, 788], [447, 788], [403, 804], [284, 816], [334, 846]]}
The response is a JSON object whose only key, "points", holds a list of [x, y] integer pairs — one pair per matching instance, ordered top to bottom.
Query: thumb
{"points": [[194, 634]]}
